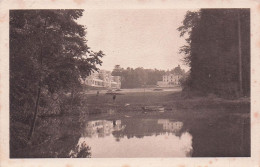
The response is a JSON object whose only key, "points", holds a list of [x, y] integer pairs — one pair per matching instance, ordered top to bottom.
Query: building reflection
{"points": [[170, 126], [148, 127], [101, 128], [133, 137]]}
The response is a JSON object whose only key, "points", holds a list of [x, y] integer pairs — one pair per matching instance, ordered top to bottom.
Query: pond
{"points": [[133, 138]]}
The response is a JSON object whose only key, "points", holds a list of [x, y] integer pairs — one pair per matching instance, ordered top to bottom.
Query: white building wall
{"points": [[103, 79], [169, 80]]}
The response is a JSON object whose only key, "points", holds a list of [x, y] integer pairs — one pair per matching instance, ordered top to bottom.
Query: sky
{"points": [[134, 38]]}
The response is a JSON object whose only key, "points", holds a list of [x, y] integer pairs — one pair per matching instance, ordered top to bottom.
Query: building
{"points": [[103, 79], [169, 80]]}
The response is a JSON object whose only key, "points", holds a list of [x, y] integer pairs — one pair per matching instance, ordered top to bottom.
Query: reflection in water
{"points": [[170, 126], [101, 128], [136, 138], [82, 150]]}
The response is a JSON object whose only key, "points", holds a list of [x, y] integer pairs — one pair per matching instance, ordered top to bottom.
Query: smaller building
{"points": [[169, 80]]}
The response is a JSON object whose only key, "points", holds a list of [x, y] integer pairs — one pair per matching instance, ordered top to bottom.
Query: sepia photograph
{"points": [[132, 83]]}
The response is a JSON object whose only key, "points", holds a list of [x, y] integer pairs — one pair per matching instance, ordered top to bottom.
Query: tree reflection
{"points": [[148, 127], [82, 150]]}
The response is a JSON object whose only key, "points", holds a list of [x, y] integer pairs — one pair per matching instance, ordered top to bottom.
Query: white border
{"points": [[254, 5]]}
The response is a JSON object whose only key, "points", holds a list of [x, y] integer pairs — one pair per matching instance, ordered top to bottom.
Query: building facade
{"points": [[103, 79], [169, 80]]}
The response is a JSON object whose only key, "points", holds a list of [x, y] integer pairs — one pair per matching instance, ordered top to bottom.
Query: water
{"points": [[198, 135], [132, 138]]}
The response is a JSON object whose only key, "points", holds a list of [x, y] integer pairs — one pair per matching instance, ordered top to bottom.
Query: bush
{"points": [[186, 82], [227, 90]]}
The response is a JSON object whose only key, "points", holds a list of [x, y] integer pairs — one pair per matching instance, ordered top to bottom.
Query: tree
{"points": [[190, 22], [218, 40], [48, 52], [117, 71], [178, 71], [137, 78]]}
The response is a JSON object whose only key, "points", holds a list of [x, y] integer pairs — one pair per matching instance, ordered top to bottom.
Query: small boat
{"points": [[158, 89], [153, 108], [161, 109]]}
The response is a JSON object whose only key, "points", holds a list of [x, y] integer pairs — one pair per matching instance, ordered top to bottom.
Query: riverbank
{"points": [[220, 127]]}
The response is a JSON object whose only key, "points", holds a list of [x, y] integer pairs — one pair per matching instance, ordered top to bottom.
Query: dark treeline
{"points": [[218, 50], [138, 77]]}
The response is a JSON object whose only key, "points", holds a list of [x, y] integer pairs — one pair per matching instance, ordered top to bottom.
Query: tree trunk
{"points": [[239, 55], [39, 88], [72, 96], [35, 111]]}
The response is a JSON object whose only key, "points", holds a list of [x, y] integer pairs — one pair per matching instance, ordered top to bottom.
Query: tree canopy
{"points": [[212, 49], [48, 52], [138, 77]]}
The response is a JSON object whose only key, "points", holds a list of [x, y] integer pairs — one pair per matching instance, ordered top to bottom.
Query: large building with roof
{"points": [[103, 79]]}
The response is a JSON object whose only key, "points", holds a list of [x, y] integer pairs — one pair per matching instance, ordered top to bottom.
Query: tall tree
{"points": [[218, 50], [48, 51], [117, 71], [178, 71]]}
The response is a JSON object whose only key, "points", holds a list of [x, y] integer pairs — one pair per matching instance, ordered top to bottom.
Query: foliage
{"points": [[190, 22], [212, 49], [48, 54], [117, 71], [178, 71], [137, 78], [185, 81], [82, 150]]}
